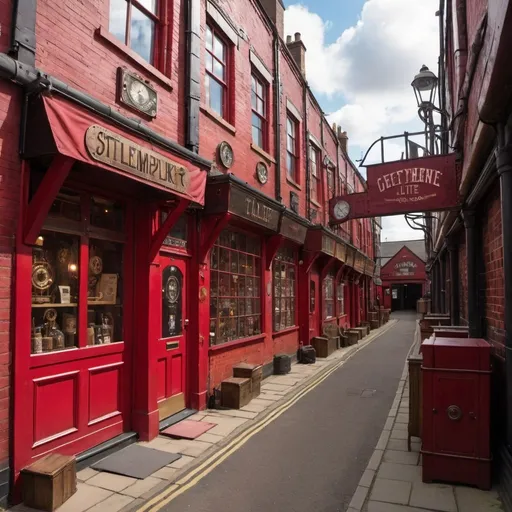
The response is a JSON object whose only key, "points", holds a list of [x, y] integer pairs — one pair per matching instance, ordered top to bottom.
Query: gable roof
{"points": [[389, 249]]}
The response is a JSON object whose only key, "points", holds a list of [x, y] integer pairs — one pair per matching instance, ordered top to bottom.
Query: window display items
{"points": [[42, 280], [107, 288], [65, 294], [69, 329], [37, 341]]}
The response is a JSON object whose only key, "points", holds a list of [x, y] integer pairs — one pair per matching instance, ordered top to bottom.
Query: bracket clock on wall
{"points": [[136, 93]]}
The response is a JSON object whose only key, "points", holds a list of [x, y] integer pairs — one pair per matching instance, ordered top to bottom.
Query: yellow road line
{"points": [[206, 467]]}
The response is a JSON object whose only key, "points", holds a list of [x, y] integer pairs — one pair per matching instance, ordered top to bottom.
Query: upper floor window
{"points": [[136, 24], [216, 76], [259, 111], [292, 153], [315, 173]]}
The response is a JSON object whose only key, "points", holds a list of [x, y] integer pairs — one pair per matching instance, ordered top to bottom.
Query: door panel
{"points": [[314, 305], [171, 352]]}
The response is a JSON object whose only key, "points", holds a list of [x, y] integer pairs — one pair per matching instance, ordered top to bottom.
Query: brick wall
{"points": [[492, 278], [463, 280]]}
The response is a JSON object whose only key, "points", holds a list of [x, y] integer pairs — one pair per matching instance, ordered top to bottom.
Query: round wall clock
{"points": [[226, 154], [262, 173], [341, 210], [95, 265]]}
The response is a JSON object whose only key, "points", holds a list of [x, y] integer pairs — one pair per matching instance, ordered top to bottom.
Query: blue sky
{"points": [[361, 56]]}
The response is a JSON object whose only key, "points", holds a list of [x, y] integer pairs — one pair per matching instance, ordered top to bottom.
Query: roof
{"points": [[389, 249]]}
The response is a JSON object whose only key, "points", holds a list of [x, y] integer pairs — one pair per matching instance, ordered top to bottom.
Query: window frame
{"points": [[157, 60], [226, 84], [263, 117], [295, 155], [315, 172], [217, 273], [328, 280], [288, 297], [340, 301]]}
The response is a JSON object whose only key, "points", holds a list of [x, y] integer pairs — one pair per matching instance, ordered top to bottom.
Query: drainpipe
{"points": [[23, 43], [22, 74], [193, 75], [277, 112], [306, 140], [504, 167], [471, 264], [454, 281]]}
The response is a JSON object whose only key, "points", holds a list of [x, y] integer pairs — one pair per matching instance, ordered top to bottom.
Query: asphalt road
{"points": [[310, 459]]}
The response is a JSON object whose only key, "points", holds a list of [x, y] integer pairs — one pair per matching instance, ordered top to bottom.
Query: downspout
{"points": [[23, 41], [21, 74], [193, 75], [442, 77], [277, 111], [306, 141]]}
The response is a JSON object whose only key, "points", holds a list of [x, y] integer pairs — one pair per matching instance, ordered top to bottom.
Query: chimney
{"points": [[275, 11], [298, 51], [343, 138]]}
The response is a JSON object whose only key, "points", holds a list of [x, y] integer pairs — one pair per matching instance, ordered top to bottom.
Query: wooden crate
{"points": [[374, 324], [353, 337], [324, 347], [282, 364], [250, 371], [236, 392], [49, 482]]}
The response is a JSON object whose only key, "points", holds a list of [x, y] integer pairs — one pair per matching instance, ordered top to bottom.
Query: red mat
{"points": [[188, 429]]}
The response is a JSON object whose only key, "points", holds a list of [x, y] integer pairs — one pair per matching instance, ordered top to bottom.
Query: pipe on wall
{"points": [[24, 75], [277, 111], [472, 272]]}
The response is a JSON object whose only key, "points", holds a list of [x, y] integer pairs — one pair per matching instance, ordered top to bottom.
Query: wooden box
{"points": [[374, 324], [353, 337], [324, 347], [282, 364], [250, 371], [236, 392], [49, 482]]}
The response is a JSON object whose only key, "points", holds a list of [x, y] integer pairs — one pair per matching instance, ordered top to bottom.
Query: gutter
{"points": [[24, 75], [277, 113]]}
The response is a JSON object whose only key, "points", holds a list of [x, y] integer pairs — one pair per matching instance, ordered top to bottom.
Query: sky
{"points": [[361, 58]]}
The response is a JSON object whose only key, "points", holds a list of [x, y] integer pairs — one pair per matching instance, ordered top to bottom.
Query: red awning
{"points": [[88, 138]]}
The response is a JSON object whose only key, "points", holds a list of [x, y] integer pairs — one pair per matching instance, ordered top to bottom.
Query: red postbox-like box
{"points": [[456, 411]]}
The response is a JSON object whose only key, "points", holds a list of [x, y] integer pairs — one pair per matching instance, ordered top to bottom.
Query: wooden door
{"points": [[314, 305], [171, 346]]}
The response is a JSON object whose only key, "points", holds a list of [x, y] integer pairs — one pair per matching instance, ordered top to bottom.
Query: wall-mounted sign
{"points": [[135, 92], [116, 151], [226, 156], [406, 186], [294, 202], [254, 209], [293, 230], [328, 245], [341, 251]]}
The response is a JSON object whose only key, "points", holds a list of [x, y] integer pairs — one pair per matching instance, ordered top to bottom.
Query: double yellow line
{"points": [[196, 475]]}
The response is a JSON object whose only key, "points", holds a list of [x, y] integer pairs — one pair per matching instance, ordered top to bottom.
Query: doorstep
{"points": [[392, 481], [100, 491]]}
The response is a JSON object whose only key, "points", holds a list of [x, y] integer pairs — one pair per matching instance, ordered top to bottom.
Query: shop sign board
{"points": [[406, 186], [253, 209], [293, 230], [341, 251]]}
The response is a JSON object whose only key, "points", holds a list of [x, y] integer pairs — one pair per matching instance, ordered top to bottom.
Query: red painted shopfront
{"points": [[103, 273]]}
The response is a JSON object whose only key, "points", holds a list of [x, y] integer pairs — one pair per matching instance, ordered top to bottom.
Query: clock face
{"points": [[138, 93], [226, 154], [262, 173], [341, 210]]}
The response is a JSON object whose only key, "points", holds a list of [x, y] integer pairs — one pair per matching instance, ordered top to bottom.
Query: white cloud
{"points": [[370, 67]]}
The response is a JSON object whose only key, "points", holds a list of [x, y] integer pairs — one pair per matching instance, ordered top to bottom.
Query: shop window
{"points": [[136, 23], [216, 76], [259, 111], [292, 153], [315, 173], [177, 236], [66, 243], [284, 273], [312, 296], [328, 296], [340, 297], [172, 302], [235, 304]]}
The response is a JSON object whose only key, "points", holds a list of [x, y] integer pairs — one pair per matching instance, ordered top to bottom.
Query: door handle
{"points": [[185, 322]]}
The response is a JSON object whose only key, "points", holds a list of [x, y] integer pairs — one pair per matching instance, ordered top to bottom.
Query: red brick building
{"points": [[166, 172], [470, 249], [403, 276]]}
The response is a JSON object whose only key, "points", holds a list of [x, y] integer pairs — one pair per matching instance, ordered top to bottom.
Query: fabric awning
{"points": [[83, 136]]}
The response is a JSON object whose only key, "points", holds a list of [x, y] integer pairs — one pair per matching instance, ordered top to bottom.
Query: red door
{"points": [[314, 305], [171, 345]]}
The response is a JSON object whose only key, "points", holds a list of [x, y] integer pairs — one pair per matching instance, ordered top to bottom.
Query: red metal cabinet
{"points": [[456, 411]]}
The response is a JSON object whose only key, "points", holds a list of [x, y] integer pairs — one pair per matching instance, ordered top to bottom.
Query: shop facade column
{"points": [[453, 253], [471, 263]]}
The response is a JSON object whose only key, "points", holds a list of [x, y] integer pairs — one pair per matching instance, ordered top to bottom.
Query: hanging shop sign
{"points": [[406, 186], [292, 229], [320, 240], [341, 251]]}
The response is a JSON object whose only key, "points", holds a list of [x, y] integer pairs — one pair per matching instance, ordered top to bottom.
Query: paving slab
{"points": [[235, 413], [398, 434], [210, 438], [401, 457], [181, 463], [404, 472], [166, 473], [85, 474], [367, 478], [110, 481], [141, 487], [391, 491], [433, 496], [84, 498], [469, 499], [113, 503], [379, 506]]}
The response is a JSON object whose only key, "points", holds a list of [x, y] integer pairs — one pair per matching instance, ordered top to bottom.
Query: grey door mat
{"points": [[136, 461]]}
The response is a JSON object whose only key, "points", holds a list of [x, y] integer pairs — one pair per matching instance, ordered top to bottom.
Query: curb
{"points": [[193, 473], [366, 482]]}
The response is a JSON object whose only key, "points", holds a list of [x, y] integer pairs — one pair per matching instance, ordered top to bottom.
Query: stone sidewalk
{"points": [[392, 480], [100, 491]]}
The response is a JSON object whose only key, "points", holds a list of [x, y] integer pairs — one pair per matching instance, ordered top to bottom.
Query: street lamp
{"points": [[425, 88]]}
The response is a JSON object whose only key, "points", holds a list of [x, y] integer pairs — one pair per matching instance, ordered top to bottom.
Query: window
{"points": [[136, 24], [216, 77], [259, 112], [292, 149], [315, 174], [330, 182], [359, 235], [284, 271], [59, 296], [329, 296], [341, 298], [235, 303]]}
